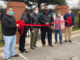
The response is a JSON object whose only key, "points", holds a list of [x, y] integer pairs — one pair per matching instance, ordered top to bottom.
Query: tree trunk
{"points": [[39, 5]]}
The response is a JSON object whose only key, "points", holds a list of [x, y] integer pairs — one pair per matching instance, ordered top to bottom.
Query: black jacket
{"points": [[26, 18], [46, 18], [35, 19], [8, 25]]}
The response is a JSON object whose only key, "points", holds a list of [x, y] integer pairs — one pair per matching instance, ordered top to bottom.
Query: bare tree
{"points": [[79, 3], [0, 6]]}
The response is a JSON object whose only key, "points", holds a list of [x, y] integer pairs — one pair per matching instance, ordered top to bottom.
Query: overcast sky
{"points": [[71, 3]]}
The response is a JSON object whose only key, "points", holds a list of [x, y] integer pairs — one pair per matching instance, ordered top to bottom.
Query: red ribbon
{"points": [[68, 21], [22, 24]]}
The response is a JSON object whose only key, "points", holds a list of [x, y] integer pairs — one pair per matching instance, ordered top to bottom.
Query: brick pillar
{"points": [[18, 8], [63, 9]]}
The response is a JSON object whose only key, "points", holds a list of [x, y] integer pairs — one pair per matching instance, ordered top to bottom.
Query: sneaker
{"points": [[65, 40], [70, 41], [55, 42], [61, 42], [35, 47], [24, 49], [32, 49], [24, 52], [15, 55], [8, 59]]}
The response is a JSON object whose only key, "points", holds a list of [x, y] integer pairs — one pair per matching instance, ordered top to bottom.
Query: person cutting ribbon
{"points": [[46, 18], [45, 26]]}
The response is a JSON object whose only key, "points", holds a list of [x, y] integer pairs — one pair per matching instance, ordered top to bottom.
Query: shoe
{"points": [[65, 40], [70, 41], [55, 42], [61, 42], [43, 45], [51, 45], [35, 47], [24, 49], [32, 49], [24, 52], [15, 55], [8, 59]]}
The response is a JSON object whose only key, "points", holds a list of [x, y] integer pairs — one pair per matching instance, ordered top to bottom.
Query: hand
{"points": [[47, 23], [17, 25], [72, 26], [51, 27], [38, 29], [32, 31]]}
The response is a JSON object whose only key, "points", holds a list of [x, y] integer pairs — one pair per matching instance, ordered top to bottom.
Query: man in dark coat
{"points": [[26, 18], [46, 18], [35, 20]]}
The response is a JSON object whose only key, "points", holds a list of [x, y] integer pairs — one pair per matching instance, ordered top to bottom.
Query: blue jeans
{"points": [[60, 35], [10, 42]]}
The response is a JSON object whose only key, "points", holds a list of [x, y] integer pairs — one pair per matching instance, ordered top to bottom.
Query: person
{"points": [[50, 11], [26, 18], [46, 18], [35, 20], [59, 26], [69, 29], [9, 33]]}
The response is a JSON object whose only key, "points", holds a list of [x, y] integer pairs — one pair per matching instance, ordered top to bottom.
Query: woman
{"points": [[58, 26]]}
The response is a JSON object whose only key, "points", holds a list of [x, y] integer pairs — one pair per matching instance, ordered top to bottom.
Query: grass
{"points": [[76, 19], [76, 29], [1, 43]]}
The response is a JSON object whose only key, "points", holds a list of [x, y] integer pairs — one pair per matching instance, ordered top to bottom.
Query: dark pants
{"points": [[43, 33], [22, 42]]}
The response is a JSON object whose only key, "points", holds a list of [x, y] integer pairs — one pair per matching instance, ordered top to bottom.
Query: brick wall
{"points": [[19, 8], [62, 8]]}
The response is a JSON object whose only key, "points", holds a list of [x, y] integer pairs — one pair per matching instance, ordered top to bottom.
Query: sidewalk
{"points": [[41, 49], [1, 58]]}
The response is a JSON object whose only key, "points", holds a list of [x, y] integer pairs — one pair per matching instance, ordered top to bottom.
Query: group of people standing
{"points": [[9, 29]]}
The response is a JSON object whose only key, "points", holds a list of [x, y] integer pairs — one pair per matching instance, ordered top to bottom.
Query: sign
{"points": [[79, 12]]}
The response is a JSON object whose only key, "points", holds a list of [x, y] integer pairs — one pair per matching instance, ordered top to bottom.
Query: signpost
{"points": [[79, 19]]}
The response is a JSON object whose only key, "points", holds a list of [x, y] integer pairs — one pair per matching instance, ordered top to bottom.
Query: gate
{"points": [[2, 13]]}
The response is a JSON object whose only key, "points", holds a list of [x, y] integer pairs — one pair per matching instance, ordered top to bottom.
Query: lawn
{"points": [[76, 19]]}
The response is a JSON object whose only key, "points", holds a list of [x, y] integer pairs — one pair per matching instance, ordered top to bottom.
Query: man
{"points": [[26, 18], [46, 18], [35, 20], [69, 29], [9, 33]]}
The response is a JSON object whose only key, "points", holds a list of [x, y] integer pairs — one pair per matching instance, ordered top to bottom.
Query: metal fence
{"points": [[2, 13]]}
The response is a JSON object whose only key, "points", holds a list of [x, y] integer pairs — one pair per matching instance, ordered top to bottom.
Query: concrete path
{"points": [[66, 51]]}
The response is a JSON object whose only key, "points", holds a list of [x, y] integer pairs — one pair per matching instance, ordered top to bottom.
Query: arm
{"points": [[65, 19], [41, 20], [52, 20], [6, 24], [63, 24], [31, 27]]}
